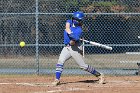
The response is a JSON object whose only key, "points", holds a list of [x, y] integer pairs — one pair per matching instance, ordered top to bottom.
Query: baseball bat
{"points": [[97, 44]]}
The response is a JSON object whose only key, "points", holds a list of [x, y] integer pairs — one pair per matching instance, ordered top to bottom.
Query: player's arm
{"points": [[68, 28], [75, 36], [72, 39]]}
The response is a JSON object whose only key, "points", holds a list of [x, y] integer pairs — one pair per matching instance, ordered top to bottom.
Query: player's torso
{"points": [[76, 30]]}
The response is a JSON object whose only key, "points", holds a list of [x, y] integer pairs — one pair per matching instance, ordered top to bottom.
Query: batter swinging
{"points": [[73, 48]]}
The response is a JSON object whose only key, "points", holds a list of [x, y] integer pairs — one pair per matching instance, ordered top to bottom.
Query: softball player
{"points": [[73, 48]]}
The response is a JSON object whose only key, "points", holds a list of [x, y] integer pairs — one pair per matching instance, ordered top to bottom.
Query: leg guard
{"points": [[59, 69], [93, 71]]}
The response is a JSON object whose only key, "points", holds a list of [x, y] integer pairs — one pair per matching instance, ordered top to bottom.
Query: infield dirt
{"points": [[69, 84]]}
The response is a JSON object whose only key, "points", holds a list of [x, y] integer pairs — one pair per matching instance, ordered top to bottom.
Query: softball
{"points": [[22, 44]]}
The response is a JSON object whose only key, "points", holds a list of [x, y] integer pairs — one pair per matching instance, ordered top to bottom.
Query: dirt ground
{"points": [[69, 84]]}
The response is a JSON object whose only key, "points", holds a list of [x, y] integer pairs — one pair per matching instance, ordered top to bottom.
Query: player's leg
{"points": [[64, 55], [80, 61], [88, 68]]}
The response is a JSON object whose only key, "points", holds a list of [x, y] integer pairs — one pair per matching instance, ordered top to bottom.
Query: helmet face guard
{"points": [[76, 19], [75, 22]]}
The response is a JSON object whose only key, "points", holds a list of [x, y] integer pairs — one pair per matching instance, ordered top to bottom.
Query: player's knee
{"points": [[61, 61], [84, 67]]}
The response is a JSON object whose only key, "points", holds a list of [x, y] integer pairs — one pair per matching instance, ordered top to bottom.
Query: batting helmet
{"points": [[78, 15]]}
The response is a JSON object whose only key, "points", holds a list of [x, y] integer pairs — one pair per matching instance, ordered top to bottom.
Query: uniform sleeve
{"points": [[69, 21], [76, 35]]}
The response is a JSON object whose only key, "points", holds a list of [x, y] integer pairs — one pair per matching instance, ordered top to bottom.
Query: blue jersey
{"points": [[75, 35]]}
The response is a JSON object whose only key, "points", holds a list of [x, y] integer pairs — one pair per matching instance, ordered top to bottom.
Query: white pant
{"points": [[75, 52]]}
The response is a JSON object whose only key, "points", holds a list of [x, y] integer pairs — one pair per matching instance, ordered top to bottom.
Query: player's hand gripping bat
{"points": [[97, 44]]}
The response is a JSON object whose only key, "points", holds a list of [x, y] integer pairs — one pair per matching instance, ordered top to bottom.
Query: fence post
{"points": [[37, 32], [83, 47]]}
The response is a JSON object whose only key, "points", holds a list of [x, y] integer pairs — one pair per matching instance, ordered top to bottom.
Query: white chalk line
{"points": [[128, 81], [28, 84], [46, 84], [49, 84], [65, 90], [68, 90]]}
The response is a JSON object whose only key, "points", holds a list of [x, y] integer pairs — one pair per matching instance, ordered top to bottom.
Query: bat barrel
{"points": [[98, 44], [106, 47]]}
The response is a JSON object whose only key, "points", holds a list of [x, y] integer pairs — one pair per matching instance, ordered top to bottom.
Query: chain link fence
{"points": [[40, 23]]}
